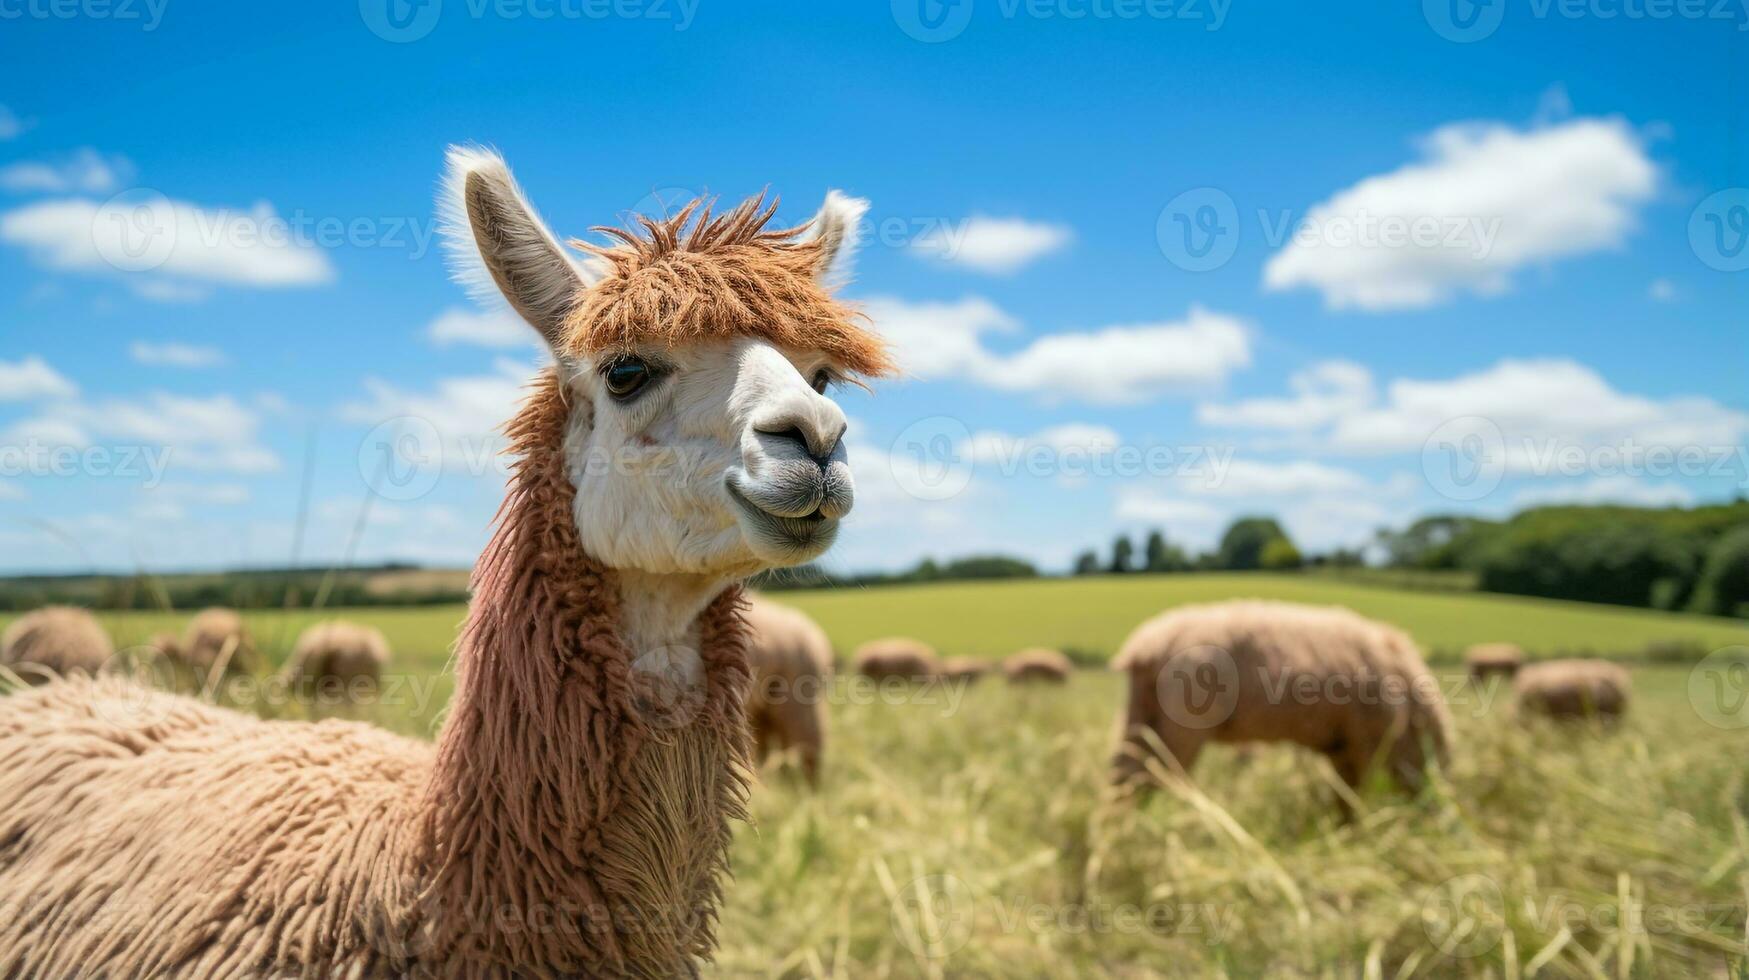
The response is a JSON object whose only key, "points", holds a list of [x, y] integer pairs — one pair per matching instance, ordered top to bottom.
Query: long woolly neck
{"points": [[577, 819]]}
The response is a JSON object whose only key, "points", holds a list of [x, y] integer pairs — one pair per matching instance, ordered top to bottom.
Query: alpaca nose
{"points": [[816, 434]]}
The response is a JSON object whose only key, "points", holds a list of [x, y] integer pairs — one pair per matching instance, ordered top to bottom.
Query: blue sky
{"points": [[1515, 260]]}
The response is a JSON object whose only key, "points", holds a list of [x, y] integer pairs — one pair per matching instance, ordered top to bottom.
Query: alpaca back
{"points": [[60, 639], [148, 834]]}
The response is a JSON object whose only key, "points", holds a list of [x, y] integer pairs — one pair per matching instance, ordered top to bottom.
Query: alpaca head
{"points": [[696, 357]]}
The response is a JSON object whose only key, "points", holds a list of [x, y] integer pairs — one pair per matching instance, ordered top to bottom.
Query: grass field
{"points": [[969, 832]]}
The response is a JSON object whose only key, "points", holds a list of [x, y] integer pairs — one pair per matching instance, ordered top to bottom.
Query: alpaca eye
{"points": [[626, 376], [822, 378]]}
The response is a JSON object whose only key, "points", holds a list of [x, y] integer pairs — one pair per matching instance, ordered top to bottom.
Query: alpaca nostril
{"points": [[818, 449]]}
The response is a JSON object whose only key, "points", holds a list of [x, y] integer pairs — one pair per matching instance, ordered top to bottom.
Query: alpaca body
{"points": [[215, 634], [55, 641], [338, 656], [896, 657], [1485, 660], [791, 662], [1037, 666], [965, 669], [1327, 679], [1574, 689], [574, 817]]}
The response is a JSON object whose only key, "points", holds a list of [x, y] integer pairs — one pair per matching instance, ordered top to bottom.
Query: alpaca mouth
{"points": [[787, 540]]}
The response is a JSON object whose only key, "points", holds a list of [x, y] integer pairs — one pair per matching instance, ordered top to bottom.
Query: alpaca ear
{"points": [[836, 228], [500, 249]]}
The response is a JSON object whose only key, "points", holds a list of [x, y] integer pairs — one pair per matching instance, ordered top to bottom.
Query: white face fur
{"points": [[721, 458]]}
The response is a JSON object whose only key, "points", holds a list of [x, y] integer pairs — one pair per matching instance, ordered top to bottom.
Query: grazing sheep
{"points": [[217, 635], [55, 641], [896, 657], [336, 658], [1485, 660], [791, 662], [1037, 666], [964, 669], [1335, 682], [1567, 689], [572, 820]]}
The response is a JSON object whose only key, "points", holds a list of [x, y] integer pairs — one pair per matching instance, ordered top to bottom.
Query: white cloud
{"points": [[10, 125], [85, 172], [1485, 201], [161, 239], [994, 245], [1662, 290], [168, 291], [500, 329], [171, 354], [1115, 365], [33, 378], [1322, 393], [1535, 407], [467, 412], [215, 433], [989, 446], [1251, 478], [1615, 489], [11, 491], [203, 494], [1321, 507]]}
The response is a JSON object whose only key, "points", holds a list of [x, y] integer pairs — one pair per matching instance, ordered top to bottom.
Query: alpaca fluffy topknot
{"points": [[696, 275]]}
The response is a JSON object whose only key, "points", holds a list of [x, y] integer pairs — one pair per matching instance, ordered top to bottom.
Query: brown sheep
{"points": [[217, 635], [55, 641], [897, 657], [336, 659], [1484, 660], [791, 662], [1037, 665], [964, 669], [1325, 678], [1567, 689]]}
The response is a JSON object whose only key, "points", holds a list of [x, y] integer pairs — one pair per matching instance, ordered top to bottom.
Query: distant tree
{"points": [[1241, 548], [1123, 554], [1279, 555], [1159, 556], [1345, 558], [1087, 563], [988, 566], [1723, 588]]}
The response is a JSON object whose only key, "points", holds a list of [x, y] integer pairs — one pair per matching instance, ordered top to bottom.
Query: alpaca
{"points": [[217, 636], [55, 641], [896, 657], [337, 659], [1485, 660], [791, 661], [1037, 666], [965, 670], [1335, 682], [1567, 689], [568, 821]]}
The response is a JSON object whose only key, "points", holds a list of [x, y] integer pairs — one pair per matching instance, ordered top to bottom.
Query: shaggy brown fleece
{"points": [[694, 276], [55, 641], [337, 657], [791, 660], [1485, 660], [1037, 665], [1351, 688], [1573, 689], [560, 827]]}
